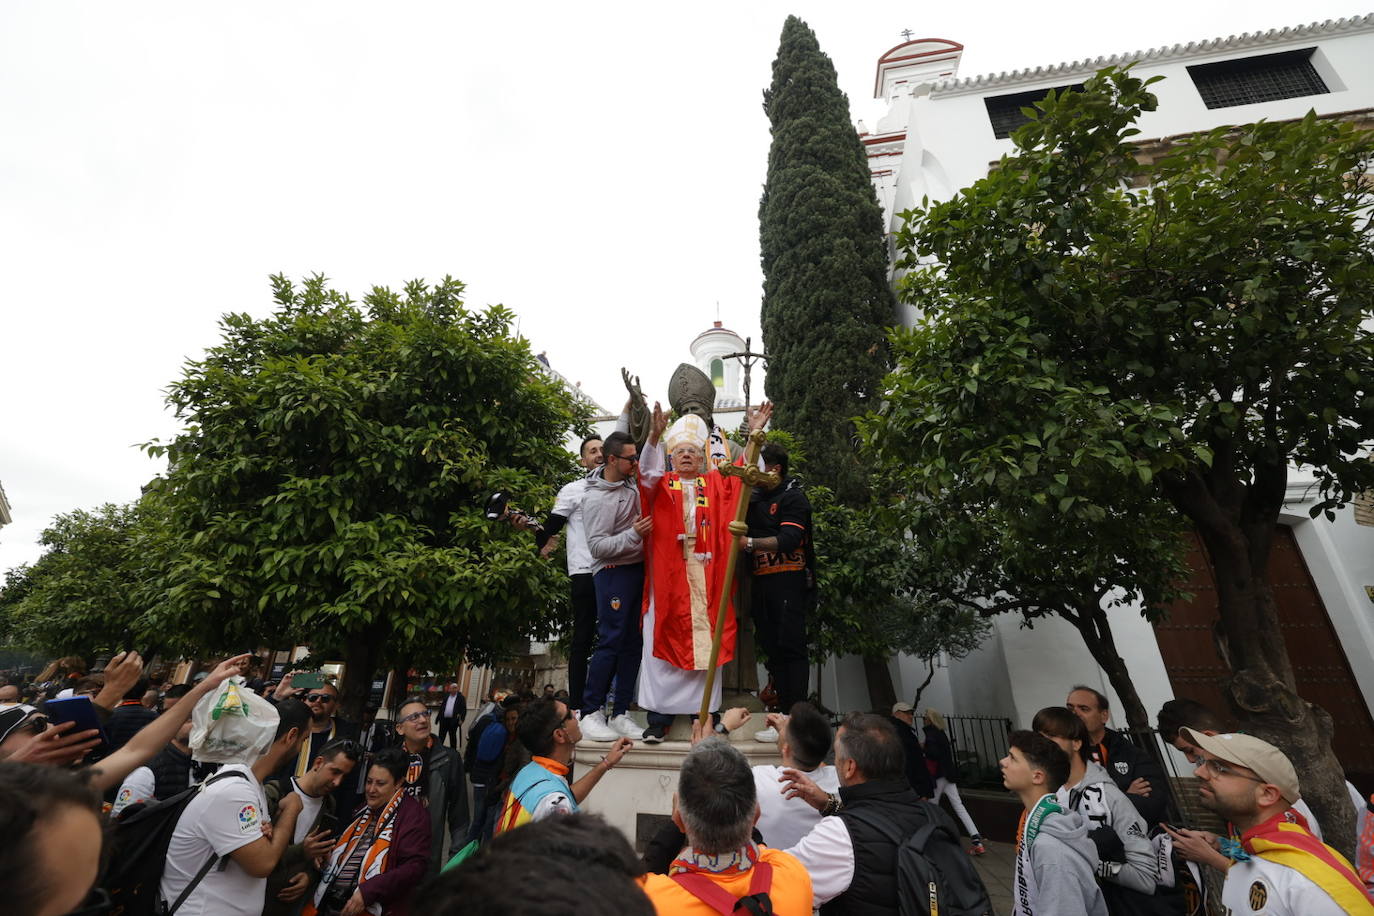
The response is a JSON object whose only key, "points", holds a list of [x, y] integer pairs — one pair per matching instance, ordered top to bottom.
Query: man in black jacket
{"points": [[782, 567], [903, 721], [1133, 770], [852, 853]]}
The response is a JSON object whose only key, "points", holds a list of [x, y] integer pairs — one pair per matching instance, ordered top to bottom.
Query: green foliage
{"points": [[826, 295], [1197, 317], [329, 485], [88, 588], [873, 599]]}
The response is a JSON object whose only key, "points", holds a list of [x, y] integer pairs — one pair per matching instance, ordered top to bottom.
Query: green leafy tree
{"points": [[826, 296], [1190, 320], [329, 485], [89, 586], [873, 598]]}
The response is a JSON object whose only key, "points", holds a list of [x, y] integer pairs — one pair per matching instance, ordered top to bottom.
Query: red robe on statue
{"points": [[682, 632]]}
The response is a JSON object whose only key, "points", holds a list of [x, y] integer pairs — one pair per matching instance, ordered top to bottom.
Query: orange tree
{"points": [[329, 484]]}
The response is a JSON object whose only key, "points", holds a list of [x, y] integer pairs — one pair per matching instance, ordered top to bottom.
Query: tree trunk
{"points": [[1236, 522], [1090, 619], [360, 663], [930, 676], [881, 693]]}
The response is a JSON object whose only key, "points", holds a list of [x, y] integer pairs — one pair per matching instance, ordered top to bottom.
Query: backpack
{"points": [[475, 738], [142, 833], [934, 874], [756, 902]]}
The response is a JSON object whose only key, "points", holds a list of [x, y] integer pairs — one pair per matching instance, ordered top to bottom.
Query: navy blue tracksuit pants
{"points": [[619, 600]]}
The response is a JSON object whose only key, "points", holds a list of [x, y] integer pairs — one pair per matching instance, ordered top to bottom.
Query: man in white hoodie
{"points": [[1055, 859], [1128, 868]]}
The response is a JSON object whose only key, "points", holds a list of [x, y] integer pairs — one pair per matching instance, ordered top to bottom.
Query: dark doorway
{"points": [[1319, 663]]}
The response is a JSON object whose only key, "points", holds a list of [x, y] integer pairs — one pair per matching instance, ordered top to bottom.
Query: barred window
{"points": [[1264, 78], [1004, 111]]}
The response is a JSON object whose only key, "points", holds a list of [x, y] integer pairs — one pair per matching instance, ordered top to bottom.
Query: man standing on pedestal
{"points": [[615, 538], [687, 549], [782, 566]]}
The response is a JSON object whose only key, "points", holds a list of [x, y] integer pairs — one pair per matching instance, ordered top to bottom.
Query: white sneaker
{"points": [[627, 726], [594, 728], [768, 736]]}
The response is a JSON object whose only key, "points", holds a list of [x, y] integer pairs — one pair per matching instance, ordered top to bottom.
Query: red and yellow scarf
{"points": [[1282, 842]]}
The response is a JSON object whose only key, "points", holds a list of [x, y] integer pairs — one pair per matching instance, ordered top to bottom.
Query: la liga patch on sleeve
{"points": [[248, 819]]}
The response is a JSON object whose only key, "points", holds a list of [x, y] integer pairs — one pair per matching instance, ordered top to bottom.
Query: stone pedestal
{"points": [[637, 796]]}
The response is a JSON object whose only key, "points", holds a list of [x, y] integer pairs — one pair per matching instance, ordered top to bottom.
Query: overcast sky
{"points": [[595, 167]]}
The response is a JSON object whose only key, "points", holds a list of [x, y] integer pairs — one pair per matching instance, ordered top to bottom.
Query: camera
{"points": [[499, 510]]}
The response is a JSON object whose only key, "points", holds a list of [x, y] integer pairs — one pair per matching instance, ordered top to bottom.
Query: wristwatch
{"points": [[749, 544], [721, 729]]}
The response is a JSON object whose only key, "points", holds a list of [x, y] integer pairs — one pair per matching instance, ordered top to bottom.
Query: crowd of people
{"points": [[323, 823]]}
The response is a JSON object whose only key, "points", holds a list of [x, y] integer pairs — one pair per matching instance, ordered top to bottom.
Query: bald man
{"points": [[9, 696]]}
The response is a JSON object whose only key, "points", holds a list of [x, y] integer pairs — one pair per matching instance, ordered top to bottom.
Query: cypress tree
{"points": [[826, 298]]}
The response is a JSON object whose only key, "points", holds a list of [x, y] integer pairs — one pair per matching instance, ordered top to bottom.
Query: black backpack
{"points": [[141, 835], [935, 876]]}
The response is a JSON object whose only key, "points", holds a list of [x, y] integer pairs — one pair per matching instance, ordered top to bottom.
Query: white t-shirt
{"points": [[569, 505], [140, 786], [310, 809], [224, 816], [784, 821], [1258, 887]]}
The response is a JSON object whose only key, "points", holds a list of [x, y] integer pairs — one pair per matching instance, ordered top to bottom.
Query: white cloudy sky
{"points": [[596, 167]]}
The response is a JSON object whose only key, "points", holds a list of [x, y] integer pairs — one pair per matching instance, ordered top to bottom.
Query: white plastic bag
{"points": [[232, 724]]}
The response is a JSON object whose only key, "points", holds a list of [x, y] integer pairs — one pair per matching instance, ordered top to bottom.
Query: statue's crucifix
{"points": [[747, 359]]}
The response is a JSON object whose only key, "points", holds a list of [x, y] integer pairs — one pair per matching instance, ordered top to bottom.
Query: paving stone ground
{"points": [[997, 869]]}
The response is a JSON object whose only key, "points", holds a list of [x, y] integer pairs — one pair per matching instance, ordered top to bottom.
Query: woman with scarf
{"points": [[383, 854]]}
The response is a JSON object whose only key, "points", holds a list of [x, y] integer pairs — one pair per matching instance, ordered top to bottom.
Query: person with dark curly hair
{"points": [[383, 854]]}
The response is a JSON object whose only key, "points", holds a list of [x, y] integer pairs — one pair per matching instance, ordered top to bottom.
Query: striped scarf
{"points": [[374, 827], [1282, 842], [1027, 890]]}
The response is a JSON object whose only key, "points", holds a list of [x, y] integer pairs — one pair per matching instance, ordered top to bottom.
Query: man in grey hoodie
{"points": [[615, 538], [1055, 859], [1129, 863]]}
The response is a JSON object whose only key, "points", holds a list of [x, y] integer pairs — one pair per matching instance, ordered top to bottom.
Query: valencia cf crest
{"points": [[615, 604], [1121, 767], [1259, 895]]}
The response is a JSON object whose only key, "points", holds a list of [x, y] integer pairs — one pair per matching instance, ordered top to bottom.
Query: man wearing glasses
{"points": [[615, 539], [434, 778], [1273, 863]]}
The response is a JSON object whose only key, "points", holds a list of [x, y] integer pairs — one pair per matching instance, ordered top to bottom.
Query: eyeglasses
{"points": [[630, 458], [319, 697], [415, 716], [1219, 768]]}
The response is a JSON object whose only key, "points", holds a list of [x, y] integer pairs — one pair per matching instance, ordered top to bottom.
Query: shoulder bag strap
{"points": [[210, 863], [707, 891], [721, 900]]}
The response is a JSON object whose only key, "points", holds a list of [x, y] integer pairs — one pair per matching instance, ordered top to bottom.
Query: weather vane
{"points": [[907, 33]]}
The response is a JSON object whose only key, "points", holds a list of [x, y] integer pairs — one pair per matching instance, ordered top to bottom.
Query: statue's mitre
{"points": [[690, 384]]}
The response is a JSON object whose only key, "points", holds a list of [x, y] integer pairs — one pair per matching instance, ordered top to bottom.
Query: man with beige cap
{"points": [[1274, 865]]}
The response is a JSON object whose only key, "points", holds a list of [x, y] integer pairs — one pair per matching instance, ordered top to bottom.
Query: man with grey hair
{"points": [[716, 806]]}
